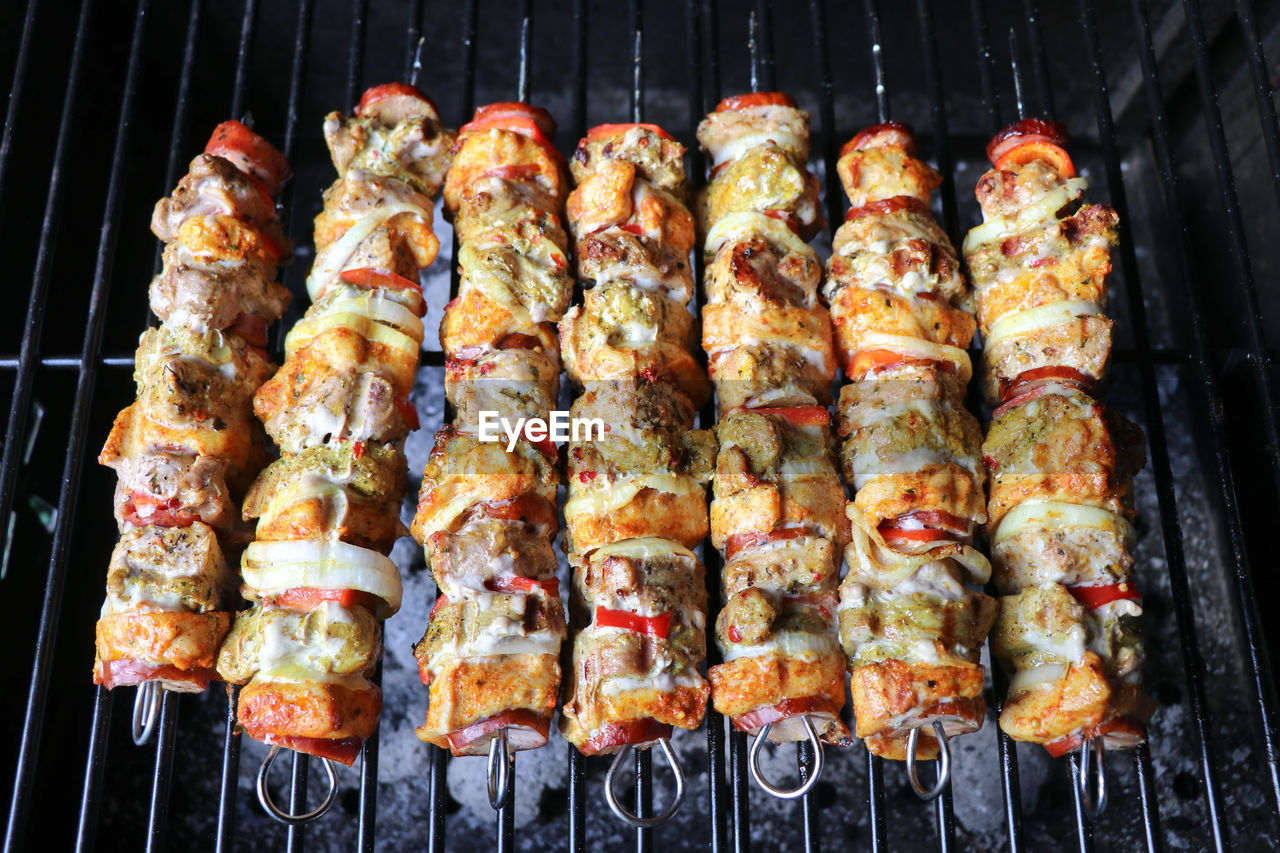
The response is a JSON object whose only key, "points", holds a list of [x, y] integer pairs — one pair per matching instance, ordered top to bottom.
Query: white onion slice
{"points": [[273, 567]]}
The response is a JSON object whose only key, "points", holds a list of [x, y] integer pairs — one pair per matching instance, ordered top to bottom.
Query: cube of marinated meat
{"points": [[726, 134], [413, 149], [496, 153], [658, 158], [882, 172], [765, 179], [213, 185], [1011, 193], [615, 197], [497, 211], [371, 221], [224, 241], [899, 247], [618, 255], [1062, 256], [750, 272], [531, 280], [215, 296], [622, 331], [1058, 344], [774, 357], [512, 383], [346, 406], [1057, 443], [905, 455], [772, 474], [465, 476], [167, 487], [345, 490], [1052, 542], [488, 554], [802, 565], [157, 569], [650, 576], [491, 624], [289, 644], [176, 649], [525, 688], [892, 698], [331, 711]]}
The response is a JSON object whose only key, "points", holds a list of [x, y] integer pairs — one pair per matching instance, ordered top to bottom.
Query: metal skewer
{"points": [[877, 60], [1019, 104], [1092, 777], [285, 817]]}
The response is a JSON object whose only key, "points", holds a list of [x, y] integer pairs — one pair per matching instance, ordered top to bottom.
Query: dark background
{"points": [[542, 819]]}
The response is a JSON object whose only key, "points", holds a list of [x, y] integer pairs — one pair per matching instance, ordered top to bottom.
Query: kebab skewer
{"points": [[185, 451], [1061, 464], [636, 507], [486, 513], [778, 514], [317, 575], [912, 617]]}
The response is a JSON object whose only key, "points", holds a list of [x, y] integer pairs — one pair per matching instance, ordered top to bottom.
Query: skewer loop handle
{"points": [[146, 711], [501, 763], [944, 763], [753, 764], [1093, 777], [269, 805], [621, 811]]}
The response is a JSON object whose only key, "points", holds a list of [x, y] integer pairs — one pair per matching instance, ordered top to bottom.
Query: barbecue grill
{"points": [[109, 101]]}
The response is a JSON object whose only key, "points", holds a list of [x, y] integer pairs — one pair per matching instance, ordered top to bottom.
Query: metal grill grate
{"points": [[726, 800]]}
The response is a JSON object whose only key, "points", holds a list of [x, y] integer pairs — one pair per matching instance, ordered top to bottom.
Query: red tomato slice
{"points": [[386, 91], [755, 99], [515, 109], [515, 123], [605, 131], [1023, 131], [890, 134], [1037, 149], [250, 153], [886, 206], [786, 218], [373, 277], [251, 328], [1067, 375], [1026, 396], [407, 411], [798, 415], [144, 509], [534, 510], [937, 525], [900, 536], [740, 541], [516, 583], [1095, 596], [308, 598], [654, 626], [735, 636], [122, 673], [760, 717], [610, 736], [468, 741], [345, 750]]}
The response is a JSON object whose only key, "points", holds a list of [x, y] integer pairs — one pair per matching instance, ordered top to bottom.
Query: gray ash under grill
{"points": [[1181, 354]]}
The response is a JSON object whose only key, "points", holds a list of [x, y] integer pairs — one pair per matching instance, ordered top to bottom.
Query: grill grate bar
{"points": [[700, 15], [248, 26], [1262, 89], [15, 90], [33, 329], [1213, 406], [1254, 633], [42, 664], [230, 776], [1147, 799], [875, 802], [87, 827], [1084, 827]]}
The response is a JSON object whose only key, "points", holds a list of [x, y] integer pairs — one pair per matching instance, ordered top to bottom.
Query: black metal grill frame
{"points": [[728, 792]]}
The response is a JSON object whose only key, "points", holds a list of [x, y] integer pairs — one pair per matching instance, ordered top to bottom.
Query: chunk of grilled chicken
{"points": [[733, 129], [408, 145], [493, 152], [657, 157], [872, 172], [764, 179], [212, 186], [615, 196], [615, 255], [760, 263], [215, 296], [512, 383], [1058, 443], [772, 474], [465, 477], [348, 490], [485, 553], [159, 569], [282, 643]]}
